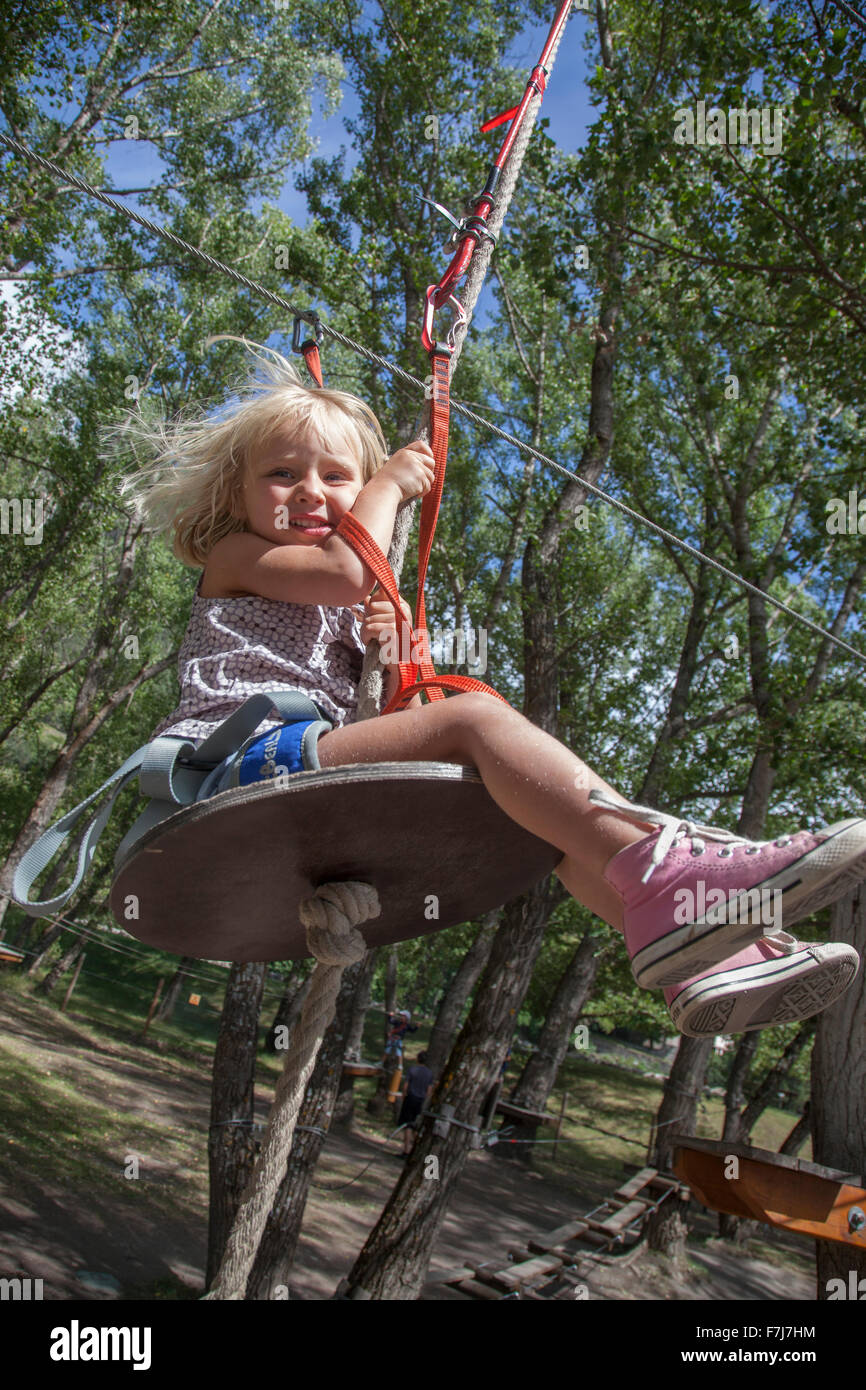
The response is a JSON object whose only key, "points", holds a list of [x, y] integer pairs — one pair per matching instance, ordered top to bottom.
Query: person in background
{"points": [[398, 1026], [417, 1088]]}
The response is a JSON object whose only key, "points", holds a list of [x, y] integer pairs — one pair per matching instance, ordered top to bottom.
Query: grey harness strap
{"points": [[170, 771]]}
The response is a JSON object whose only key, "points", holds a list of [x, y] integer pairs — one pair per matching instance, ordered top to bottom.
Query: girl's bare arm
{"points": [[330, 573]]}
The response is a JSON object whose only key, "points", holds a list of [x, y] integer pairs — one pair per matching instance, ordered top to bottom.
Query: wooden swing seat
{"points": [[222, 879], [773, 1188]]}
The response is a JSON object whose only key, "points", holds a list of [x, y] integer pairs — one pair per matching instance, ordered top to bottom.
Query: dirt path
{"points": [[93, 1233]]}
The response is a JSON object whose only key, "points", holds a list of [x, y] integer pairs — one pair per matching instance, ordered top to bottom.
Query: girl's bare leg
{"points": [[532, 777]]}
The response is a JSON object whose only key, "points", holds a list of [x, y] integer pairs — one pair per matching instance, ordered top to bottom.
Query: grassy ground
{"points": [[83, 1096]]}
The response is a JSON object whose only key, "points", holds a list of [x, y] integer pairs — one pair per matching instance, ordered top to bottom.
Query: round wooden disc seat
{"points": [[222, 879]]}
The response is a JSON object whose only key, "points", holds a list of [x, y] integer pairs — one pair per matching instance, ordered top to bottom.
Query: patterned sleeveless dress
{"points": [[235, 647]]}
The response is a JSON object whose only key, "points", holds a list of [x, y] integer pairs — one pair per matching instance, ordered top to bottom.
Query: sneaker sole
{"points": [[818, 878], [765, 995]]}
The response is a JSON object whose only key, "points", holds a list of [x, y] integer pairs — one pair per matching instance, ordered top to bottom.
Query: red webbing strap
{"points": [[314, 365], [358, 537], [418, 673], [415, 675]]}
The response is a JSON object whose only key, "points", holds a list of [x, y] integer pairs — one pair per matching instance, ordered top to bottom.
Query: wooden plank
{"points": [[514, 1112], [721, 1148], [662, 1183], [634, 1185], [801, 1199], [623, 1218], [620, 1219], [559, 1235], [578, 1262], [489, 1274], [513, 1276], [473, 1288]]}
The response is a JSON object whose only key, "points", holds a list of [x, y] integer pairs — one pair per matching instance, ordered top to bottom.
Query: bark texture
{"points": [[454, 999], [538, 1077], [838, 1106], [231, 1141], [667, 1229], [276, 1253], [394, 1260]]}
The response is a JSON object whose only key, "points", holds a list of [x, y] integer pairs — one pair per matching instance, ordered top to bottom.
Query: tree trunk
{"points": [[44, 944], [60, 967], [175, 985], [390, 985], [453, 1000], [360, 1005], [288, 1011], [538, 1077], [768, 1088], [344, 1104], [376, 1105], [838, 1108], [799, 1134], [231, 1142], [730, 1227], [667, 1228], [394, 1260], [270, 1273]]}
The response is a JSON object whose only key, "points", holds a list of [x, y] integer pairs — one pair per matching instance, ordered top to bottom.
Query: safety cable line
{"points": [[309, 317], [96, 935]]}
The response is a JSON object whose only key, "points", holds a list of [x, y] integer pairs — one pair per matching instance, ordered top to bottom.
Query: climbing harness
{"points": [[172, 773]]}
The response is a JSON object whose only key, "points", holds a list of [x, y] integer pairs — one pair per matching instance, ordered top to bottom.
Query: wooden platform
{"points": [[222, 879], [361, 1068], [514, 1112], [780, 1191], [554, 1264]]}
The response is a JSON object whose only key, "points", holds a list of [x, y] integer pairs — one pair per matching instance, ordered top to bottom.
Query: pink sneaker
{"points": [[688, 905], [775, 980]]}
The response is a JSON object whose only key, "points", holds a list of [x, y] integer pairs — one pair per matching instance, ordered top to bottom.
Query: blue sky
{"points": [[566, 106], [136, 164]]}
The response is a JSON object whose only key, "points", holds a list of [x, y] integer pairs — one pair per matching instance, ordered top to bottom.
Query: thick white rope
{"points": [[370, 688], [332, 915]]}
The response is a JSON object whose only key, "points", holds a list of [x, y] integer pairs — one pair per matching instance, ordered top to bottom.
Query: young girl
{"points": [[254, 498]]}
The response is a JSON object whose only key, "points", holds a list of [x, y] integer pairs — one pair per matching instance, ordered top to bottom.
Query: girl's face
{"points": [[297, 487]]}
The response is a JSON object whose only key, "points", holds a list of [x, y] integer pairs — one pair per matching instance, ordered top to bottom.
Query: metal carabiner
{"points": [[460, 318], [301, 322]]}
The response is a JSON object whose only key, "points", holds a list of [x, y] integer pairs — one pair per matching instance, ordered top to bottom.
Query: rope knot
{"points": [[331, 917]]}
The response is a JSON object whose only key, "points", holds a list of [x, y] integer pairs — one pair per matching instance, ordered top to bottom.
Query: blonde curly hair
{"points": [[198, 462]]}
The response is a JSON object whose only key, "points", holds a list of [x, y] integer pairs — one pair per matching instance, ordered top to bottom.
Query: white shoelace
{"points": [[674, 829]]}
